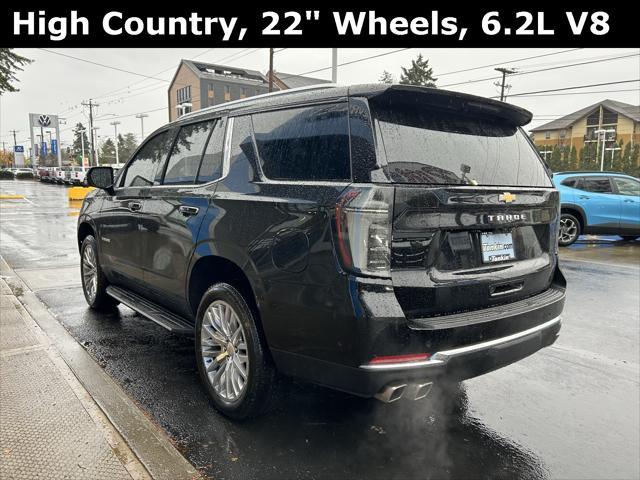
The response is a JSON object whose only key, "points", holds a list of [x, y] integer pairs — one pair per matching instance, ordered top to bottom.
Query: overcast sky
{"points": [[55, 84]]}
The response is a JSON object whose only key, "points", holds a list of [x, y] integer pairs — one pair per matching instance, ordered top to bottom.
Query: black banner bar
{"points": [[212, 25]]}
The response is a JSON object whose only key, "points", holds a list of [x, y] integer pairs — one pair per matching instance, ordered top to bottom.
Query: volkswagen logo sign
{"points": [[44, 120]]}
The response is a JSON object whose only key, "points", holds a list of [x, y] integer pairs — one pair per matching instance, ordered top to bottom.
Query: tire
{"points": [[570, 229], [629, 238], [94, 283], [243, 383]]}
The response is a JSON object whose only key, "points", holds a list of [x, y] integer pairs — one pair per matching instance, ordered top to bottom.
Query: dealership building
{"points": [[197, 85], [618, 120]]}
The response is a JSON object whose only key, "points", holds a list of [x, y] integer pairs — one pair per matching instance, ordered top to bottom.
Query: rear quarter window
{"points": [[307, 143], [572, 182], [597, 185]]}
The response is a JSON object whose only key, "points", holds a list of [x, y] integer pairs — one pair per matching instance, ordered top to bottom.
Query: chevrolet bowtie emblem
{"points": [[506, 197]]}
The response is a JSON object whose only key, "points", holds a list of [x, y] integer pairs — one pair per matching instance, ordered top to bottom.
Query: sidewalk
{"points": [[50, 424]]}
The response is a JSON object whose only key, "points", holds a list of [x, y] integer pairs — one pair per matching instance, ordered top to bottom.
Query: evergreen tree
{"points": [[10, 64], [418, 74], [386, 77], [79, 133], [127, 144], [107, 152], [588, 157], [625, 160], [555, 161], [615, 161], [572, 164], [634, 167]]}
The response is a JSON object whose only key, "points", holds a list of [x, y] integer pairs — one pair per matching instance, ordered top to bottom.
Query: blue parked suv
{"points": [[601, 203]]}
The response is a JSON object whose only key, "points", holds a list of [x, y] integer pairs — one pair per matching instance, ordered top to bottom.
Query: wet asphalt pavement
{"points": [[569, 411]]}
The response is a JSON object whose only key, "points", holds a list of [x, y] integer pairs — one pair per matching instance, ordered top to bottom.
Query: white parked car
{"points": [[61, 175], [77, 175]]}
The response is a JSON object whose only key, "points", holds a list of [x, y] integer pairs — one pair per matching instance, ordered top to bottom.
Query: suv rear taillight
{"points": [[363, 230]]}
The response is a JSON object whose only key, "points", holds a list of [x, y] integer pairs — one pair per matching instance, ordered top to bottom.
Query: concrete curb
{"points": [[149, 443]]}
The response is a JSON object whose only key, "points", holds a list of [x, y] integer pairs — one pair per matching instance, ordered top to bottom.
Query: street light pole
{"points": [[334, 65], [142, 116], [115, 124], [15, 142], [604, 142], [82, 146], [97, 149], [613, 152]]}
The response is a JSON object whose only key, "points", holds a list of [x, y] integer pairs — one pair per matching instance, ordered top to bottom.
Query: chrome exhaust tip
{"points": [[421, 390], [391, 393]]}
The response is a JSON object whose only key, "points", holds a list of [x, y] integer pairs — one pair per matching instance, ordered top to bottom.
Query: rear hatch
{"points": [[475, 214]]}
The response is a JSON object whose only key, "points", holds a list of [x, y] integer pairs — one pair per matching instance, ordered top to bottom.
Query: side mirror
{"points": [[100, 177]]}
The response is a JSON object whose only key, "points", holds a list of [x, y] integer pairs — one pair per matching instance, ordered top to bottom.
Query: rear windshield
{"points": [[432, 147]]}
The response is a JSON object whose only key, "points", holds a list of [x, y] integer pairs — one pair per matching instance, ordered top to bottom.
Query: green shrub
{"points": [[6, 175], [24, 176]]}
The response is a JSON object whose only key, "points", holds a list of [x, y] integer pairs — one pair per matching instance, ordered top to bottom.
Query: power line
{"points": [[508, 61], [345, 63], [541, 70], [131, 72], [157, 73], [573, 88], [581, 93], [132, 114]]}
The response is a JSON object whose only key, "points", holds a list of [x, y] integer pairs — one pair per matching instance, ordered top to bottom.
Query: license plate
{"points": [[497, 247]]}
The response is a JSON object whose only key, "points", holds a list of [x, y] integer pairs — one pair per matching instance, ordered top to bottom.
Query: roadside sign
{"points": [[54, 146], [43, 149], [18, 156]]}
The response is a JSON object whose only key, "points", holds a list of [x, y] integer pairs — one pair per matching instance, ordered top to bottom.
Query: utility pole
{"points": [[334, 65], [270, 70], [502, 85], [91, 105], [142, 116], [115, 124], [15, 142]]}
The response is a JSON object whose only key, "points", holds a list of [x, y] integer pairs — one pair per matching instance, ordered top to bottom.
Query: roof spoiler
{"points": [[447, 100]]}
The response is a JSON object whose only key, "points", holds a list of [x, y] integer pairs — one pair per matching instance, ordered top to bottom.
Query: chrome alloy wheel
{"points": [[568, 230], [90, 272], [224, 351]]}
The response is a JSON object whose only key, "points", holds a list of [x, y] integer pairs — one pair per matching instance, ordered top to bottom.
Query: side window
{"points": [[308, 143], [186, 154], [211, 168], [142, 169], [571, 182], [596, 184], [626, 186]]}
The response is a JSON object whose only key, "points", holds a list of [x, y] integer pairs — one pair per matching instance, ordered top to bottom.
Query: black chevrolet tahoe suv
{"points": [[374, 239]]}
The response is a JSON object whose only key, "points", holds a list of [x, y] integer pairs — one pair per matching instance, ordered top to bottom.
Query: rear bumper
{"points": [[472, 360], [453, 364]]}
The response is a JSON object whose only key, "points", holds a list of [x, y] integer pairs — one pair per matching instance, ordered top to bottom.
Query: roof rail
{"points": [[240, 101], [573, 172]]}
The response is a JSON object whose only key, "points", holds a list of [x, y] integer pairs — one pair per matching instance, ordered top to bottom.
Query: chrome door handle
{"points": [[135, 206], [188, 211]]}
